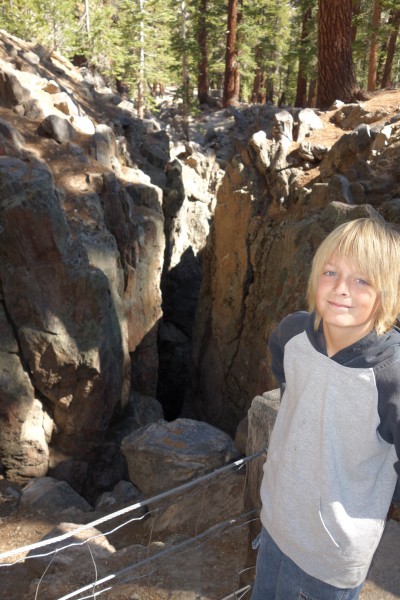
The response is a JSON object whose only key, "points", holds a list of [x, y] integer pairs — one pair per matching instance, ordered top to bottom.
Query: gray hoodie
{"points": [[332, 468]]}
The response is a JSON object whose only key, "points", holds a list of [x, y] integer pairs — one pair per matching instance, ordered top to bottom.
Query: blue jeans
{"points": [[279, 578]]}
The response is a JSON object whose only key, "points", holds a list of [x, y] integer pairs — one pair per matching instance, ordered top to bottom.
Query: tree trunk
{"points": [[356, 12], [394, 22], [238, 42], [373, 46], [185, 72], [336, 78], [202, 81], [140, 86], [301, 91], [258, 93], [312, 94], [230, 97]]}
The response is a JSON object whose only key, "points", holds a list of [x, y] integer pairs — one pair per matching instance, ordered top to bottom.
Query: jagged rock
{"points": [[12, 91], [63, 102], [350, 116], [308, 121], [283, 125], [57, 128], [10, 134], [382, 139], [104, 145], [262, 148], [349, 150], [305, 152], [339, 190], [188, 208], [61, 351], [145, 410], [140, 411], [25, 428], [162, 456], [123, 493], [51, 496], [76, 556]]}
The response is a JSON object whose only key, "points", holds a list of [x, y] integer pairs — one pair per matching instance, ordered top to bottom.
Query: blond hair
{"points": [[374, 246]]}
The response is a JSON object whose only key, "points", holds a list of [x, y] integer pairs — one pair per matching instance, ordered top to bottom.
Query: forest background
{"points": [[306, 53]]}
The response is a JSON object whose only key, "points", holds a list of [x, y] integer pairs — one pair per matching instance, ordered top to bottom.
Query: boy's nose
{"points": [[342, 287]]}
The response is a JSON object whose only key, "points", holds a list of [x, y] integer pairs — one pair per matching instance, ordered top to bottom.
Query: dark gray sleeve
{"points": [[289, 327], [388, 383]]}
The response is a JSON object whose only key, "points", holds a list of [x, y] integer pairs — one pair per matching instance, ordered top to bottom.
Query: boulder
{"points": [[308, 121], [58, 128], [79, 363], [164, 455], [124, 493], [47, 495], [71, 553]]}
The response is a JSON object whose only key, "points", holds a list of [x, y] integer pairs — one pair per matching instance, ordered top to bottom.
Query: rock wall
{"points": [[103, 221], [268, 223], [81, 253]]}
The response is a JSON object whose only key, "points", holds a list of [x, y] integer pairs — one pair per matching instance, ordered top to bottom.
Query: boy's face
{"points": [[346, 301]]}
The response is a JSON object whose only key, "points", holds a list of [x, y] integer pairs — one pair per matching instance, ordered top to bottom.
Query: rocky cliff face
{"points": [[278, 200], [103, 218]]}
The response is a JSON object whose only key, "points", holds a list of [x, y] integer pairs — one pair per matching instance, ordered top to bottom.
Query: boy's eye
{"points": [[329, 273], [361, 281]]}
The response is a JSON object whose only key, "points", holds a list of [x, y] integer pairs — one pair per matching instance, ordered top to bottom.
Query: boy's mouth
{"points": [[338, 304]]}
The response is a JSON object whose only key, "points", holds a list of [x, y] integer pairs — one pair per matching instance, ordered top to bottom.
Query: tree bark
{"points": [[356, 12], [394, 22], [373, 46], [336, 78], [203, 82], [140, 85], [301, 90], [258, 91], [230, 97]]}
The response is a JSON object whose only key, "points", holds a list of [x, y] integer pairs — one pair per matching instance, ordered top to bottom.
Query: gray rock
{"points": [[12, 91], [308, 121], [58, 128], [162, 456], [123, 493], [51, 496], [76, 555]]}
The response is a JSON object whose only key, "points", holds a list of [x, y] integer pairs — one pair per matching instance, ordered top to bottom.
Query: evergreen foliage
{"points": [[151, 44]]}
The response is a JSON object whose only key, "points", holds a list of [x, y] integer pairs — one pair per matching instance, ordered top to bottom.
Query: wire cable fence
{"points": [[187, 543]]}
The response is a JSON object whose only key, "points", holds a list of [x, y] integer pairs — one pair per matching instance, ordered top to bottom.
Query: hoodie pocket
{"points": [[293, 508]]}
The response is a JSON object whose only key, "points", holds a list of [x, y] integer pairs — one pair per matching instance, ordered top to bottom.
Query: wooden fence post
{"points": [[261, 419]]}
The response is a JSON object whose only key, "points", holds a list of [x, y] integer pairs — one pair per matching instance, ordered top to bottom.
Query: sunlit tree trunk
{"points": [[394, 23], [238, 41], [373, 46], [185, 71], [336, 78], [203, 83], [230, 84], [140, 87], [301, 90], [258, 91]]}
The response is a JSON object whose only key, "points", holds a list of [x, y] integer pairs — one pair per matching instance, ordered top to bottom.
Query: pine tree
{"points": [[393, 27], [373, 46], [306, 50], [336, 77]]}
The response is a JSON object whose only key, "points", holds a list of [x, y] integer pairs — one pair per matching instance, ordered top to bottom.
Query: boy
{"points": [[332, 468]]}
